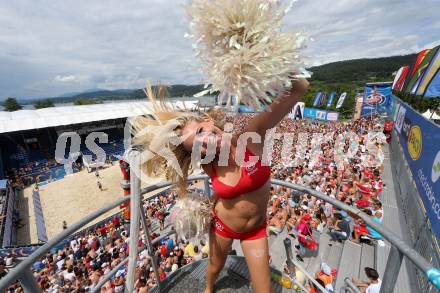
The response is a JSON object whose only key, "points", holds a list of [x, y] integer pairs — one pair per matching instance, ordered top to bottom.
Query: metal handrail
{"points": [[419, 261], [291, 262], [432, 272], [14, 274], [110, 274], [351, 285]]}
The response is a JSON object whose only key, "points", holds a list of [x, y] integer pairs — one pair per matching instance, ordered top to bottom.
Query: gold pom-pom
{"points": [[242, 50]]}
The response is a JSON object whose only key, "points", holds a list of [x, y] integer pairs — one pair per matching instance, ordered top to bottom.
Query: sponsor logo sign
{"points": [[375, 98], [378, 99], [332, 116], [399, 119], [420, 139], [415, 142], [435, 174]]}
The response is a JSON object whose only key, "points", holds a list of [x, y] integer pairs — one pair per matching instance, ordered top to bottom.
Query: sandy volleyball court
{"points": [[69, 199]]}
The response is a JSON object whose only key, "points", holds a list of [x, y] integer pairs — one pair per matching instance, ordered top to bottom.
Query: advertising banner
{"points": [[330, 99], [377, 99], [341, 100], [297, 112], [310, 113], [318, 114], [332, 116], [420, 142], [45, 177]]}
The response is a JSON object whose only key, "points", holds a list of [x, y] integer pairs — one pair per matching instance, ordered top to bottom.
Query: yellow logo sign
{"points": [[415, 142]]}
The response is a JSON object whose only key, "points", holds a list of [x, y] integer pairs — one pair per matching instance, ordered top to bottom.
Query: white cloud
{"points": [[52, 47], [66, 78]]}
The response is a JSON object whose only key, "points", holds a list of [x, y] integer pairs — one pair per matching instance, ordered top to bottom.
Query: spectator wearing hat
{"points": [[304, 231], [119, 282]]}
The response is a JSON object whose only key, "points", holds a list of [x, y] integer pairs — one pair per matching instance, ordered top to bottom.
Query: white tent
{"points": [[67, 115], [430, 115]]}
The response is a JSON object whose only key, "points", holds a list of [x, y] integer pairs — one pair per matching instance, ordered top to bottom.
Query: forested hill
{"points": [[361, 70], [350, 76]]}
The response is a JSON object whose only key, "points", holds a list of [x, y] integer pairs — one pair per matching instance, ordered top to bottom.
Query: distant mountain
{"points": [[361, 70], [348, 75], [178, 90], [72, 94]]}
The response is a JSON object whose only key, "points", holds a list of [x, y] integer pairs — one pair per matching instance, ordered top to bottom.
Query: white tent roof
{"points": [[428, 114], [67, 115]]}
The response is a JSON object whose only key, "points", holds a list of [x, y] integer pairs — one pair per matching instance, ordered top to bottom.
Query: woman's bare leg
{"points": [[219, 247], [256, 253]]}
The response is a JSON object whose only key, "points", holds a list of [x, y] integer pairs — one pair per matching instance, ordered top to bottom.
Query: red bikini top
{"points": [[252, 178]]}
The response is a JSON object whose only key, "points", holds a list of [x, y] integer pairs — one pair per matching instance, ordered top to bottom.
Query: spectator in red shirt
{"points": [[303, 230]]}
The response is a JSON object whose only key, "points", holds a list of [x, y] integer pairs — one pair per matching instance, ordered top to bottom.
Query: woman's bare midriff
{"points": [[245, 212]]}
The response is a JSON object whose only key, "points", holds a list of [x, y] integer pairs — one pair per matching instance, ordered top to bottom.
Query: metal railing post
{"points": [[207, 188], [135, 201], [149, 245], [289, 255], [293, 265], [391, 270], [28, 282]]}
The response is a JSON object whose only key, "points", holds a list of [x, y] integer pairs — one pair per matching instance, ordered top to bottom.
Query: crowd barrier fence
{"points": [[422, 238]]}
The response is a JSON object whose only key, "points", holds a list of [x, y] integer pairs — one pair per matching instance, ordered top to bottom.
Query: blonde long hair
{"points": [[163, 123]]}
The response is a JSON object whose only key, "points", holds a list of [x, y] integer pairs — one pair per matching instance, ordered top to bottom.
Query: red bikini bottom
{"points": [[221, 229]]}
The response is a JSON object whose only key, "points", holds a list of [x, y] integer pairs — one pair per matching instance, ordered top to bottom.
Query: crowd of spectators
{"points": [[341, 160], [81, 263]]}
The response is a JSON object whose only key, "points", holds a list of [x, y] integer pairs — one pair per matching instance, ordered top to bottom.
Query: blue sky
{"points": [[49, 47]]}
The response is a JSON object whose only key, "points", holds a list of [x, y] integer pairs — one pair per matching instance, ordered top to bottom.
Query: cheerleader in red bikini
{"points": [[241, 193]]}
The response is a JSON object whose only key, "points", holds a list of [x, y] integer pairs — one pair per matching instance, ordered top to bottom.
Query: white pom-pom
{"points": [[242, 50], [191, 216]]}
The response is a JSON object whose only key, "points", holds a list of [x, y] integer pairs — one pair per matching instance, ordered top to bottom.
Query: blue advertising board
{"points": [[377, 99], [318, 114], [420, 142]]}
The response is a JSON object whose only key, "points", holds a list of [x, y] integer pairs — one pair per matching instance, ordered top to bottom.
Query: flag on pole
{"points": [[317, 99], [330, 99], [323, 100], [341, 100]]}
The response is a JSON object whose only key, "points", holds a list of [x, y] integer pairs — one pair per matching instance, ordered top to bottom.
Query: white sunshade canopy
{"points": [[67, 115], [429, 115]]}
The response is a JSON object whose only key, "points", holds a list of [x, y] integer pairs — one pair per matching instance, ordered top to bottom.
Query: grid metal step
{"points": [[191, 278]]}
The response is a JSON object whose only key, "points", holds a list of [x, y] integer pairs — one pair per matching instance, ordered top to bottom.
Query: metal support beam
{"points": [[135, 204], [392, 270], [28, 282]]}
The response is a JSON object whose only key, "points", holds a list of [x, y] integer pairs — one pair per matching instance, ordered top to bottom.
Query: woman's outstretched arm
{"points": [[279, 108]]}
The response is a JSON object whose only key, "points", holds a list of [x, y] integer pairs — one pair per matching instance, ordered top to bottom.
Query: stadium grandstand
{"points": [[366, 215]]}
